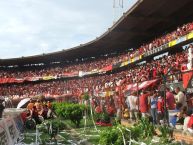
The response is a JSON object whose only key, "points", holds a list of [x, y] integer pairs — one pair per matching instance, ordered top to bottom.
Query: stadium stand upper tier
{"points": [[145, 21], [97, 65], [151, 70]]}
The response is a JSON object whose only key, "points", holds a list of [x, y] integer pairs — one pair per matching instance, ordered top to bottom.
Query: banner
{"points": [[189, 36], [181, 39], [172, 43], [124, 63], [107, 68], [71, 74], [48, 77], [32, 79], [7, 80], [19, 80], [188, 81], [141, 85]]}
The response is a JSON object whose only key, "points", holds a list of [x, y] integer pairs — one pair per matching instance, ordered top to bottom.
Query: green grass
{"points": [[70, 133], [88, 134]]}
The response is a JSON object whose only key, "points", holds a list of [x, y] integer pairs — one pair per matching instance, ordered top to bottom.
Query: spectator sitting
{"points": [[174, 117], [186, 120], [190, 124]]}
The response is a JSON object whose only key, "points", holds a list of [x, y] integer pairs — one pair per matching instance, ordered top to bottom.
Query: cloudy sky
{"points": [[30, 27]]}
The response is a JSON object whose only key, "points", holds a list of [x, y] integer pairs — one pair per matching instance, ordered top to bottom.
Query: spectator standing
{"points": [[180, 97], [170, 100], [127, 102], [143, 103], [153, 104], [133, 106], [160, 108]]}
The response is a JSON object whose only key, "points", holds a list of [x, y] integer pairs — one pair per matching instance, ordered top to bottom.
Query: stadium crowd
{"points": [[97, 63], [143, 72], [150, 102], [151, 105]]}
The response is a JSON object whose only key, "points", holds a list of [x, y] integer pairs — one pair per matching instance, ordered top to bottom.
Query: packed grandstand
{"points": [[74, 78], [120, 80]]}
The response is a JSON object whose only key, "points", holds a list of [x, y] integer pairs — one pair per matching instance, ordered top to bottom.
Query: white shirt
{"points": [[181, 98], [132, 102], [186, 120]]}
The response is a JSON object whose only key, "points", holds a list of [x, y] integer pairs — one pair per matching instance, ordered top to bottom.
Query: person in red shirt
{"points": [[154, 72], [170, 100], [143, 104], [160, 108], [24, 115], [190, 124]]}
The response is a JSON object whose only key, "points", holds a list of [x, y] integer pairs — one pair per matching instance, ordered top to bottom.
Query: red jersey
{"points": [[170, 101], [143, 103], [160, 105], [24, 116], [190, 123]]}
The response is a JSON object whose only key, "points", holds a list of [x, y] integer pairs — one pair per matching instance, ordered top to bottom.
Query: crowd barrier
{"points": [[11, 127]]}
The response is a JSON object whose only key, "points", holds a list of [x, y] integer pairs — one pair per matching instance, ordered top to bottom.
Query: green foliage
{"points": [[86, 96], [74, 112], [105, 117], [147, 128], [143, 129], [136, 132], [165, 133], [112, 135], [108, 136]]}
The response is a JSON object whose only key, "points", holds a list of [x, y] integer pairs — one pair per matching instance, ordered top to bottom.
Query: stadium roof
{"points": [[144, 21]]}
